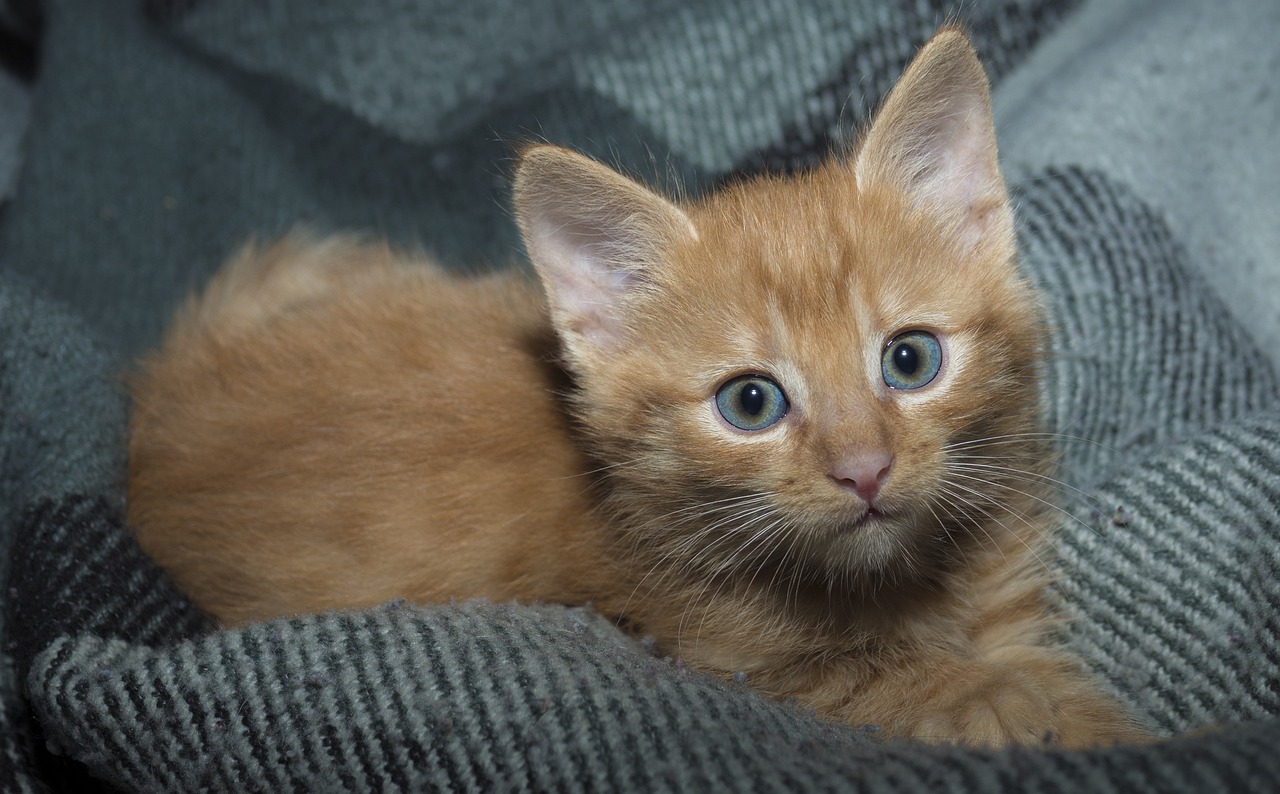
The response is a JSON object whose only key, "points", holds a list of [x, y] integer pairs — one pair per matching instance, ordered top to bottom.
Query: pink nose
{"points": [[863, 471]]}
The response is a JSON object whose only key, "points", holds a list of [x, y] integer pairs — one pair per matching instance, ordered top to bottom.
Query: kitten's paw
{"points": [[995, 705], [991, 707]]}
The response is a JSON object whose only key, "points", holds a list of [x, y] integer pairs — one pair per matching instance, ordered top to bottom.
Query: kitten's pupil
{"points": [[906, 359], [751, 399]]}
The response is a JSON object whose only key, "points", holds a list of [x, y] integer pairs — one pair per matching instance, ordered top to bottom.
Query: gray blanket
{"points": [[161, 137]]}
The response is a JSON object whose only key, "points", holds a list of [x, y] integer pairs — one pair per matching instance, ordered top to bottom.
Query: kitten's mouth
{"points": [[871, 516]]}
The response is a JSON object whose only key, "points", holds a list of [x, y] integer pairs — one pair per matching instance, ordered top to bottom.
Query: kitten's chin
{"points": [[874, 543]]}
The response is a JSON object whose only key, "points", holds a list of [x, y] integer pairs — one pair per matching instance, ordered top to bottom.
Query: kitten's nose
{"points": [[863, 471]]}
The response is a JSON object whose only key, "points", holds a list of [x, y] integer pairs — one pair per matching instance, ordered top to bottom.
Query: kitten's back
{"points": [[333, 425]]}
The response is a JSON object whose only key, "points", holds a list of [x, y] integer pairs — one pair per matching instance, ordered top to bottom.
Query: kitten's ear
{"points": [[934, 139], [593, 236]]}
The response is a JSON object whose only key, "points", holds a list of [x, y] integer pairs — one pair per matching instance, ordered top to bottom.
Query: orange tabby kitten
{"points": [[785, 430]]}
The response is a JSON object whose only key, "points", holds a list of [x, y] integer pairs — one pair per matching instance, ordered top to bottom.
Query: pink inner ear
{"points": [[934, 140], [958, 174], [977, 189], [592, 234], [586, 269], [586, 295]]}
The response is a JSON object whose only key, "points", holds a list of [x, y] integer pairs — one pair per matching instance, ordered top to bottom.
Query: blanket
{"points": [[164, 133]]}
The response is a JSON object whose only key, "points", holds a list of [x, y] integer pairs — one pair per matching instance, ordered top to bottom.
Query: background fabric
{"points": [[163, 134]]}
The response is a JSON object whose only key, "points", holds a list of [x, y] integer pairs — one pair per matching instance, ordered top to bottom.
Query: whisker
{"points": [[1014, 438], [966, 463], [622, 464], [1029, 495], [929, 504], [740, 512], [990, 516], [777, 528]]}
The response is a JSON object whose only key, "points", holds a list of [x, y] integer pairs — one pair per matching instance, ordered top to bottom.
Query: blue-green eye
{"points": [[911, 360], [751, 402]]}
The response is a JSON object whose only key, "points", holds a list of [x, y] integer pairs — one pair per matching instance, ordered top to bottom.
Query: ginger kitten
{"points": [[790, 430]]}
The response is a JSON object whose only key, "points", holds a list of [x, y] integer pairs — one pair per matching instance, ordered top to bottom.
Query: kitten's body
{"points": [[332, 426], [397, 436]]}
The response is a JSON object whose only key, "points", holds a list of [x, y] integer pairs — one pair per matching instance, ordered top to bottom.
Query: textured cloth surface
{"points": [[1176, 98], [160, 141]]}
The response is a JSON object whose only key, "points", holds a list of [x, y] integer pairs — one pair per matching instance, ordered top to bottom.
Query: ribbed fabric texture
{"points": [[159, 144], [1143, 351], [62, 431], [1170, 564], [97, 582], [488, 698]]}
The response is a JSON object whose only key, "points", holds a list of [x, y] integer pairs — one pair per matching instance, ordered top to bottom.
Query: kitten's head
{"points": [[789, 369]]}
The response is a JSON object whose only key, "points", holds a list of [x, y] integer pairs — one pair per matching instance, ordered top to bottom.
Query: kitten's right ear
{"points": [[594, 236]]}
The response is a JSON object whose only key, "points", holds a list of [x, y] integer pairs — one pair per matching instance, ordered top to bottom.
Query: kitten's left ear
{"points": [[934, 139], [594, 237]]}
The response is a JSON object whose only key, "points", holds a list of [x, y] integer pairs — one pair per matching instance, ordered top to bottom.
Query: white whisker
{"points": [[1015, 438], [1023, 475], [1045, 502], [991, 517], [693, 550]]}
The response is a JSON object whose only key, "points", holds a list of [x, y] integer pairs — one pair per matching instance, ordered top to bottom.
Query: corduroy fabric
{"points": [[1168, 414], [489, 698]]}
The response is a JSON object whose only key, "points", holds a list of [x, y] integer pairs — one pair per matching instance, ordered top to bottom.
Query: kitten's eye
{"points": [[911, 360], [752, 402]]}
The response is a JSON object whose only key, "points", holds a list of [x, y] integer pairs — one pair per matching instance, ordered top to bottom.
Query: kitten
{"points": [[790, 430]]}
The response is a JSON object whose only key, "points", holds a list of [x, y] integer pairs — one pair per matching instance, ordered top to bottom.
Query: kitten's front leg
{"points": [[1022, 695]]}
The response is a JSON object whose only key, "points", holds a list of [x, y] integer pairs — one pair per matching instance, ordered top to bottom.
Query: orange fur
{"points": [[334, 425]]}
